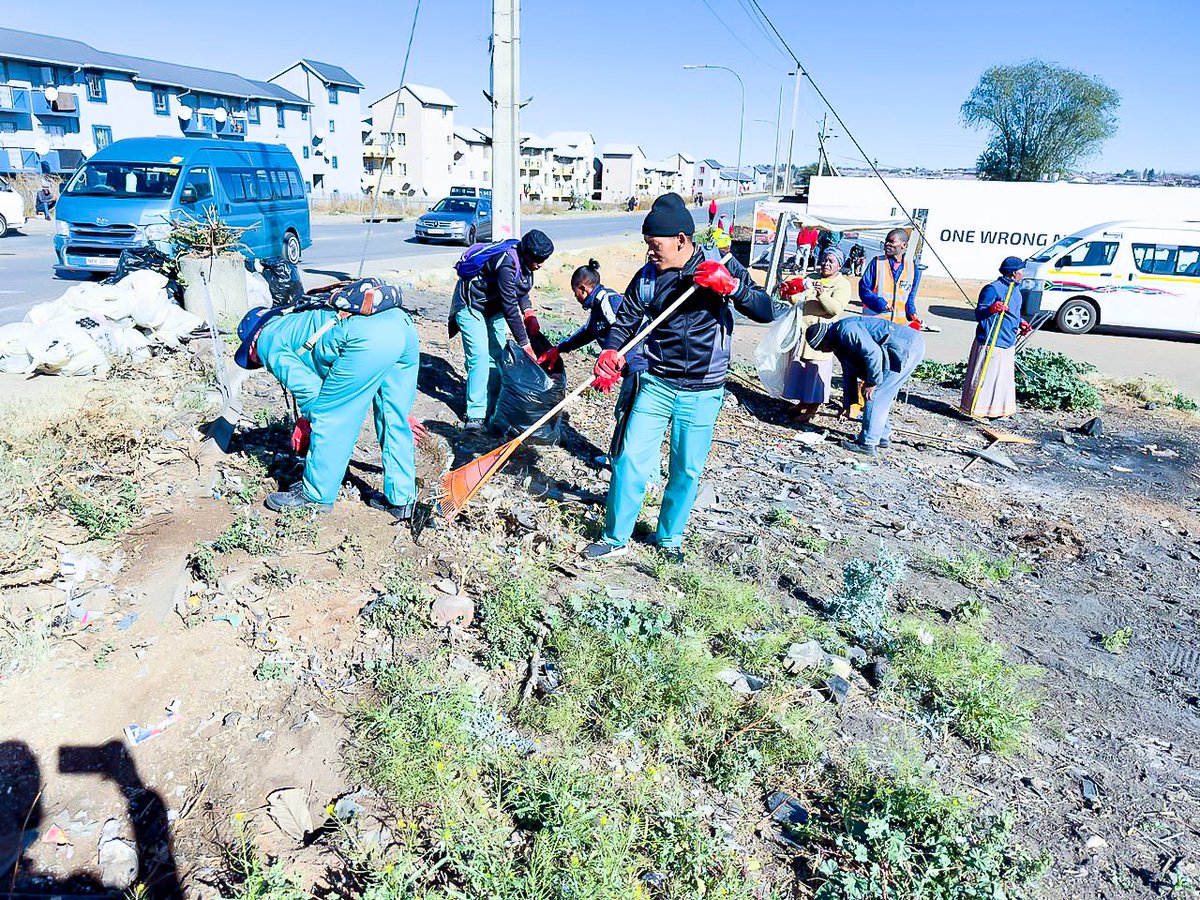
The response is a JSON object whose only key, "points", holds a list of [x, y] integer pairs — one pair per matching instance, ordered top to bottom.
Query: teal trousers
{"points": [[483, 340], [363, 362], [692, 416]]}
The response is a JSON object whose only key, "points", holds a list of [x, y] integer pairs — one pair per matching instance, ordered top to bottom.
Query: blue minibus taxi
{"points": [[127, 194]]}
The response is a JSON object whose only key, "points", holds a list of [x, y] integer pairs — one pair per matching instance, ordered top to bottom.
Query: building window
{"points": [[95, 87], [333, 95], [162, 102], [400, 110], [445, 112], [253, 115], [304, 115], [280, 119], [208, 123], [7, 126], [332, 126], [101, 136], [401, 139], [304, 151], [333, 161], [403, 168]]}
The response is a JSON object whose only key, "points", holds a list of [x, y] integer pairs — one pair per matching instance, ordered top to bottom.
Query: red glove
{"points": [[714, 276], [792, 287], [998, 307], [914, 323], [532, 325], [1024, 328], [528, 348], [549, 359], [608, 370], [418, 430], [301, 435]]}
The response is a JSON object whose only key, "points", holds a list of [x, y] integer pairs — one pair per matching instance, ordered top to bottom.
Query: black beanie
{"points": [[668, 217], [537, 246]]}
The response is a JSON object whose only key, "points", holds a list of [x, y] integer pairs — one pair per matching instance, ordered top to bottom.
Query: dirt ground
{"points": [[261, 668]]}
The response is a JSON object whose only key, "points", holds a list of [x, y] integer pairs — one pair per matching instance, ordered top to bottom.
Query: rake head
{"points": [[1005, 437], [459, 485]]}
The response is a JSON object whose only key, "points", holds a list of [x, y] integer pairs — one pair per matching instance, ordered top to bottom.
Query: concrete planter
{"points": [[225, 278]]}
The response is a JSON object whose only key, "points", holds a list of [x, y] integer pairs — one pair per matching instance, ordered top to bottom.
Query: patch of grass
{"points": [[945, 374], [1050, 380], [1184, 403], [252, 478], [104, 513], [778, 517], [248, 533], [813, 544], [202, 563], [972, 568], [276, 578], [712, 602], [402, 607], [512, 612], [24, 641], [1117, 641], [100, 657], [274, 669], [962, 682], [894, 837], [257, 880]]}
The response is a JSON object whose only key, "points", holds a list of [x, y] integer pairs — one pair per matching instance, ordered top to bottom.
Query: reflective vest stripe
{"points": [[893, 288]]}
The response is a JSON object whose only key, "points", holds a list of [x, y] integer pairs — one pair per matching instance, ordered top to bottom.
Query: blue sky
{"points": [[896, 73]]}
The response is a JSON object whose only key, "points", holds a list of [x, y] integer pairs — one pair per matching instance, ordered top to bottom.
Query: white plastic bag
{"points": [[773, 354]]}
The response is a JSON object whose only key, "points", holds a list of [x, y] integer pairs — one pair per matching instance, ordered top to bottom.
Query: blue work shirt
{"points": [[1001, 289], [875, 303], [870, 348]]}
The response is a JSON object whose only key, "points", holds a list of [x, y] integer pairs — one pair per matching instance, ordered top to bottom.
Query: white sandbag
{"points": [[258, 292], [176, 324], [121, 342], [14, 347], [63, 348], [773, 354]]}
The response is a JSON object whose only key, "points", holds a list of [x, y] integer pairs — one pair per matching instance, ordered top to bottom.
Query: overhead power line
{"points": [[800, 70]]}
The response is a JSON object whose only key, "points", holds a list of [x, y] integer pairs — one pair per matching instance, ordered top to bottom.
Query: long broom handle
{"points": [[629, 345], [991, 346]]}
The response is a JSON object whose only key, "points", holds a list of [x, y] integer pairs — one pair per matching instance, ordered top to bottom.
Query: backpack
{"points": [[473, 258], [363, 297]]}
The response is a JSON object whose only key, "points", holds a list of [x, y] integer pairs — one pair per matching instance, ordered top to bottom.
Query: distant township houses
{"points": [[61, 100]]}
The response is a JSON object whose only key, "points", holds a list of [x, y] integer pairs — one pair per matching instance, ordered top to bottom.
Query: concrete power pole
{"points": [[506, 114], [787, 181]]}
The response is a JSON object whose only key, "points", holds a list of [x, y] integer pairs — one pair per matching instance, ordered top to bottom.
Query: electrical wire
{"points": [[733, 34], [846, 129], [362, 259]]}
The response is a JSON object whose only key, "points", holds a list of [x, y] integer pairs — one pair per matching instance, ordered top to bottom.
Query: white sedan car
{"points": [[12, 211]]}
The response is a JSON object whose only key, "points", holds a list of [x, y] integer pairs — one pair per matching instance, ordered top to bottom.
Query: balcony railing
{"points": [[14, 99], [66, 105]]}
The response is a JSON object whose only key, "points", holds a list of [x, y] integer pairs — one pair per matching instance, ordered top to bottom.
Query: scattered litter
{"points": [[1092, 427], [810, 438], [1165, 453], [1124, 469], [448, 611], [233, 618], [126, 622], [740, 682], [837, 689], [231, 719], [137, 734], [1091, 793], [347, 808], [288, 809], [786, 810], [55, 835], [1095, 842], [117, 858]]}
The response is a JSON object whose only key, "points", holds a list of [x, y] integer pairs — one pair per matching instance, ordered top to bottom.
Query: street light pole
{"points": [[741, 133], [775, 160], [787, 184]]}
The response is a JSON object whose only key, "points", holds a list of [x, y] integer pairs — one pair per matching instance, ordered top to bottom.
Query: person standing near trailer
{"points": [[889, 284], [684, 385], [990, 385]]}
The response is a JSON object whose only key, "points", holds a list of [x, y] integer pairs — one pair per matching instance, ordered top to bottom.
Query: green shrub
{"points": [[945, 374], [1050, 380], [1184, 402], [104, 513], [972, 568], [714, 602], [404, 604], [862, 607], [511, 614], [1117, 642], [962, 681], [900, 838]]}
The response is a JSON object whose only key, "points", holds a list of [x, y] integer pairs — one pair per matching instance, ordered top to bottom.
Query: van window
{"points": [[117, 179], [201, 180], [260, 185], [281, 186], [297, 187], [1090, 254], [1166, 259]]}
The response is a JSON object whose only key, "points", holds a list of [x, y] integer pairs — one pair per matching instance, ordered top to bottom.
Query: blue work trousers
{"points": [[483, 340], [362, 362], [877, 412], [692, 416]]}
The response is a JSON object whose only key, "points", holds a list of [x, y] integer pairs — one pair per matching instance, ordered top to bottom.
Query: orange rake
{"points": [[460, 485]]}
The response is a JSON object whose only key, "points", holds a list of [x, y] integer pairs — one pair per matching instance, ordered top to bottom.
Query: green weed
{"points": [[945, 374], [1050, 380], [1184, 403], [252, 478], [105, 514], [779, 517], [247, 533], [202, 563], [972, 568], [276, 578], [713, 602], [862, 607], [401, 609], [511, 613], [23, 641], [1117, 641], [100, 657], [272, 669], [961, 680], [256, 880]]}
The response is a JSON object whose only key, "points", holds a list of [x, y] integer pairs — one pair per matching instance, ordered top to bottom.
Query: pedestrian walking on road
{"points": [[712, 211], [806, 247], [889, 285], [483, 304], [879, 354], [810, 371], [684, 385], [990, 386]]}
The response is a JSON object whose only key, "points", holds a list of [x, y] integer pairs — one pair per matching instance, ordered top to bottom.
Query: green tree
{"points": [[1044, 118]]}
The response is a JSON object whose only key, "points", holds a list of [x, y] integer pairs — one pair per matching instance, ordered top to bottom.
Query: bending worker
{"points": [[889, 284], [483, 304], [602, 304], [880, 355], [357, 362], [810, 372], [684, 385], [990, 386]]}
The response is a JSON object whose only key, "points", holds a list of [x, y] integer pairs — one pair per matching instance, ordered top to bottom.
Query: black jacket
{"points": [[501, 288], [691, 349]]}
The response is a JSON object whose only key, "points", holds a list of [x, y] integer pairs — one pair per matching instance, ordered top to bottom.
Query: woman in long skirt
{"points": [[810, 371], [990, 387]]}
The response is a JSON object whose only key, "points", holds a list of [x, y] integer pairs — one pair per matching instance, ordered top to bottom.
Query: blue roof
{"points": [[42, 48], [332, 74], [712, 163]]}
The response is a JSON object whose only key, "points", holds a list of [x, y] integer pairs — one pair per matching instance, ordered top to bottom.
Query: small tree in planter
{"points": [[208, 254]]}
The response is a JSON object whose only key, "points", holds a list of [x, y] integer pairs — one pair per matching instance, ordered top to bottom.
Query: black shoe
{"points": [[474, 425], [884, 443], [860, 449], [294, 499], [401, 513], [602, 551], [672, 555]]}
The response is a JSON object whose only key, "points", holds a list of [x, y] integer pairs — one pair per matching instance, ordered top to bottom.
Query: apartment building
{"points": [[62, 100], [412, 138], [472, 157], [331, 159], [536, 163], [572, 164], [623, 173], [673, 174], [707, 179]]}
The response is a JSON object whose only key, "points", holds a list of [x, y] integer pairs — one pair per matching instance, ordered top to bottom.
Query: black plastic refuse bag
{"points": [[149, 257], [283, 278], [528, 392]]}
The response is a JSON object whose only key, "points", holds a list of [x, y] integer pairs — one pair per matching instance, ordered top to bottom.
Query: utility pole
{"points": [[506, 113], [821, 145], [775, 162], [787, 181]]}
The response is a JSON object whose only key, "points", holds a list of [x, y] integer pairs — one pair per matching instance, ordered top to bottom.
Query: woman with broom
{"points": [[990, 387]]}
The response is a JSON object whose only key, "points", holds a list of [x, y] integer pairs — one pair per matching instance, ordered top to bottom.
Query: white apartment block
{"points": [[62, 100], [416, 148], [472, 157], [331, 159], [535, 169], [572, 169], [623, 173], [672, 175], [707, 179]]}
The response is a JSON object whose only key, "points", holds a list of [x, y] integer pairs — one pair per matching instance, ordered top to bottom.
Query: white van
{"points": [[1133, 274]]}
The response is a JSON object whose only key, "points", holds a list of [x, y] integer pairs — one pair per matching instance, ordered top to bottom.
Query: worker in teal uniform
{"points": [[357, 362]]}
